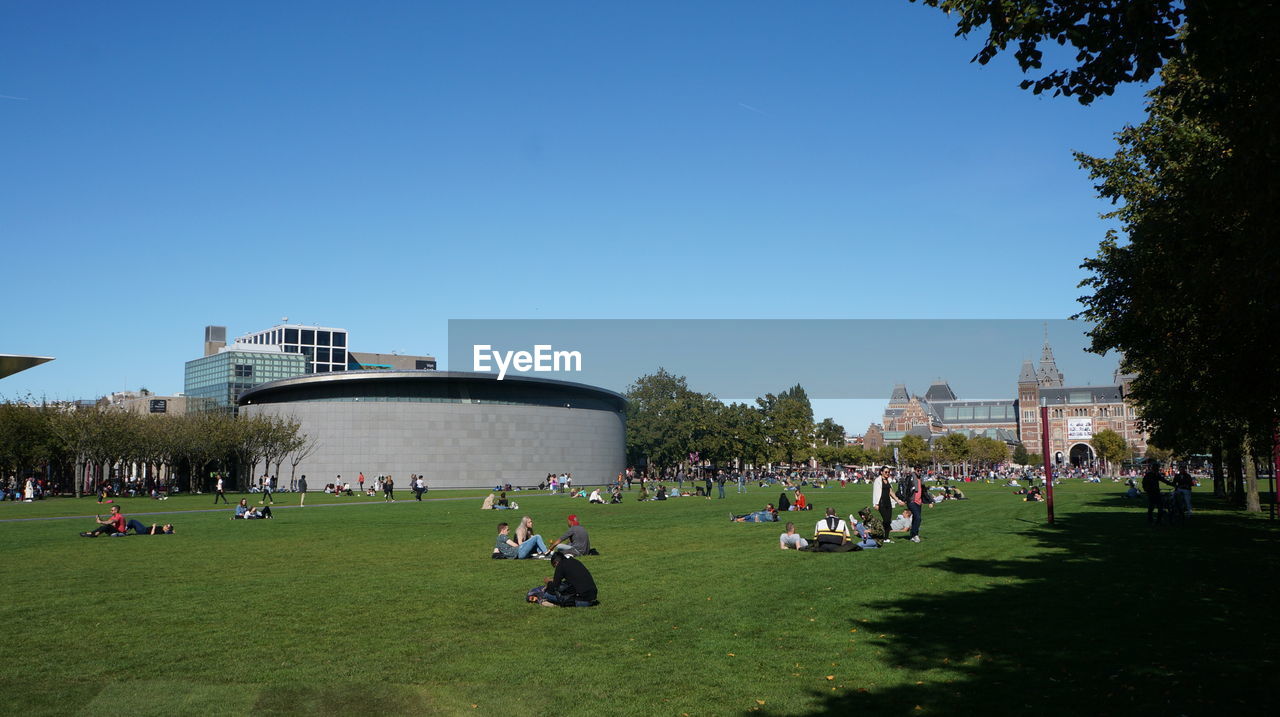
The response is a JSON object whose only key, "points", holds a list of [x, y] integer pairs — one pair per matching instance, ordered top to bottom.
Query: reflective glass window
{"points": [[291, 336], [323, 338], [340, 338]]}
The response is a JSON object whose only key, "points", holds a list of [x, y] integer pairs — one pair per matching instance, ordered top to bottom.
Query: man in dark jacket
{"points": [[1151, 486], [572, 584]]}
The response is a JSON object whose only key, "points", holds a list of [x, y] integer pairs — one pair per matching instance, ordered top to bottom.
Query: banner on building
{"points": [[1079, 429]]}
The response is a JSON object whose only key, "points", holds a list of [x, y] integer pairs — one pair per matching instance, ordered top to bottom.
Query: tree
{"points": [[1184, 289], [665, 420], [788, 424], [829, 432], [1110, 446], [953, 448], [913, 450], [988, 451], [1020, 455]]}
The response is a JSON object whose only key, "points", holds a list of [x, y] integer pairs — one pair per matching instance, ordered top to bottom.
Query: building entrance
{"points": [[1081, 455]]}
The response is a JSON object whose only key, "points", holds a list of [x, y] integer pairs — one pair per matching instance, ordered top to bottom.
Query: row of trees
{"points": [[1185, 289], [667, 421], [91, 444]]}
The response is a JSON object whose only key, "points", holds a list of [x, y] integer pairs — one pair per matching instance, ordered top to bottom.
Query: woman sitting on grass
{"points": [[768, 515]]}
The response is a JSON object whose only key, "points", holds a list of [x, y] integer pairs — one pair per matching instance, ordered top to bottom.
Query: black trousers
{"points": [[886, 517]]}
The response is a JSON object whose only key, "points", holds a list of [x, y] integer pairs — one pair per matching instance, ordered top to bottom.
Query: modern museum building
{"points": [[459, 430]]}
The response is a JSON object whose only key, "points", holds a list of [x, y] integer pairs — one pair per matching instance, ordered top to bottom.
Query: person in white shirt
{"points": [[595, 497]]}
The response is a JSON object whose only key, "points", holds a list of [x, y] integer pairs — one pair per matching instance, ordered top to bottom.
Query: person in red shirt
{"points": [[802, 503], [115, 523]]}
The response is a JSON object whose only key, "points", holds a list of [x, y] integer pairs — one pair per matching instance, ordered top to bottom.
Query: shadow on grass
{"points": [[1112, 617]]}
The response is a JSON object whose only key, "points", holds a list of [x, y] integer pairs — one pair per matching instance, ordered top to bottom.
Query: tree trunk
{"points": [[1235, 474], [1251, 502]]}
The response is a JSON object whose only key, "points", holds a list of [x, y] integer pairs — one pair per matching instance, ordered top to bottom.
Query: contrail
{"points": [[11, 97], [746, 106]]}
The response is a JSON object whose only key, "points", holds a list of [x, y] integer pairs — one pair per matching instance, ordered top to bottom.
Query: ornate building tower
{"points": [[1048, 376], [1029, 406]]}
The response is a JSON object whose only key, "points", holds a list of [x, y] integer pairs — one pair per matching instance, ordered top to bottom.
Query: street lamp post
{"points": [[1044, 451]]}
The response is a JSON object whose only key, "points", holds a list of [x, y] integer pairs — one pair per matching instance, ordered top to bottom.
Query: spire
{"points": [[1028, 373], [1048, 376]]}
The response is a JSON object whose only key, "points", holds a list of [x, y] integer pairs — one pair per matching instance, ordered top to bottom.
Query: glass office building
{"points": [[324, 347], [216, 382]]}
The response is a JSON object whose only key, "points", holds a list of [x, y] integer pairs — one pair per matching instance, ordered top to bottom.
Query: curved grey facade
{"points": [[460, 430]]}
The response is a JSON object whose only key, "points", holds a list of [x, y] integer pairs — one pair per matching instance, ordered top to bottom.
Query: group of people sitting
{"points": [[498, 502], [244, 511], [116, 526], [833, 534], [572, 584]]}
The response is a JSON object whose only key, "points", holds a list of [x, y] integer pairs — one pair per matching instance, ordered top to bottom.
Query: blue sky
{"points": [[388, 166]]}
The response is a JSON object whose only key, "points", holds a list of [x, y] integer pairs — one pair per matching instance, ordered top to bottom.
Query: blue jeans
{"points": [[742, 484], [721, 489], [760, 516], [915, 518], [137, 526], [527, 547]]}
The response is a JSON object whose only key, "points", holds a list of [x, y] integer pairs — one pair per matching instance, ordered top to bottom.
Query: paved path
{"points": [[277, 506]]}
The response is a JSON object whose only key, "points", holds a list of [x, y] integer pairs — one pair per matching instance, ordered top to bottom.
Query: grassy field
{"points": [[353, 606]]}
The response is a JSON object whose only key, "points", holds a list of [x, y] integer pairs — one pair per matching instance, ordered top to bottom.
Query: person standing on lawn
{"points": [[217, 490], [302, 490], [914, 498], [883, 499]]}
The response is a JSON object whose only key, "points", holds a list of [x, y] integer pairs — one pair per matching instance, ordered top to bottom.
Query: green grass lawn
{"points": [[373, 608]]}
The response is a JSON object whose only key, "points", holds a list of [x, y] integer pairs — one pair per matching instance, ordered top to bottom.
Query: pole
{"points": [[1048, 465], [1275, 475]]}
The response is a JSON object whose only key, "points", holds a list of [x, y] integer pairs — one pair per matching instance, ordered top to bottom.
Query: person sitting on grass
{"points": [[1034, 495], [595, 497], [488, 502], [502, 502], [802, 503], [244, 511], [768, 515], [871, 520], [113, 525], [831, 532], [791, 539], [529, 541], [578, 541], [509, 549], [570, 586]]}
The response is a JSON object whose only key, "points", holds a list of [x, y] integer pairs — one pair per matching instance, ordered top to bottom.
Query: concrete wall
{"points": [[455, 445]]}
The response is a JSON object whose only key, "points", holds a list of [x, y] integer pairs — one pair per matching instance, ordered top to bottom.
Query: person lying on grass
{"points": [[768, 515], [902, 523], [156, 529], [791, 539]]}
